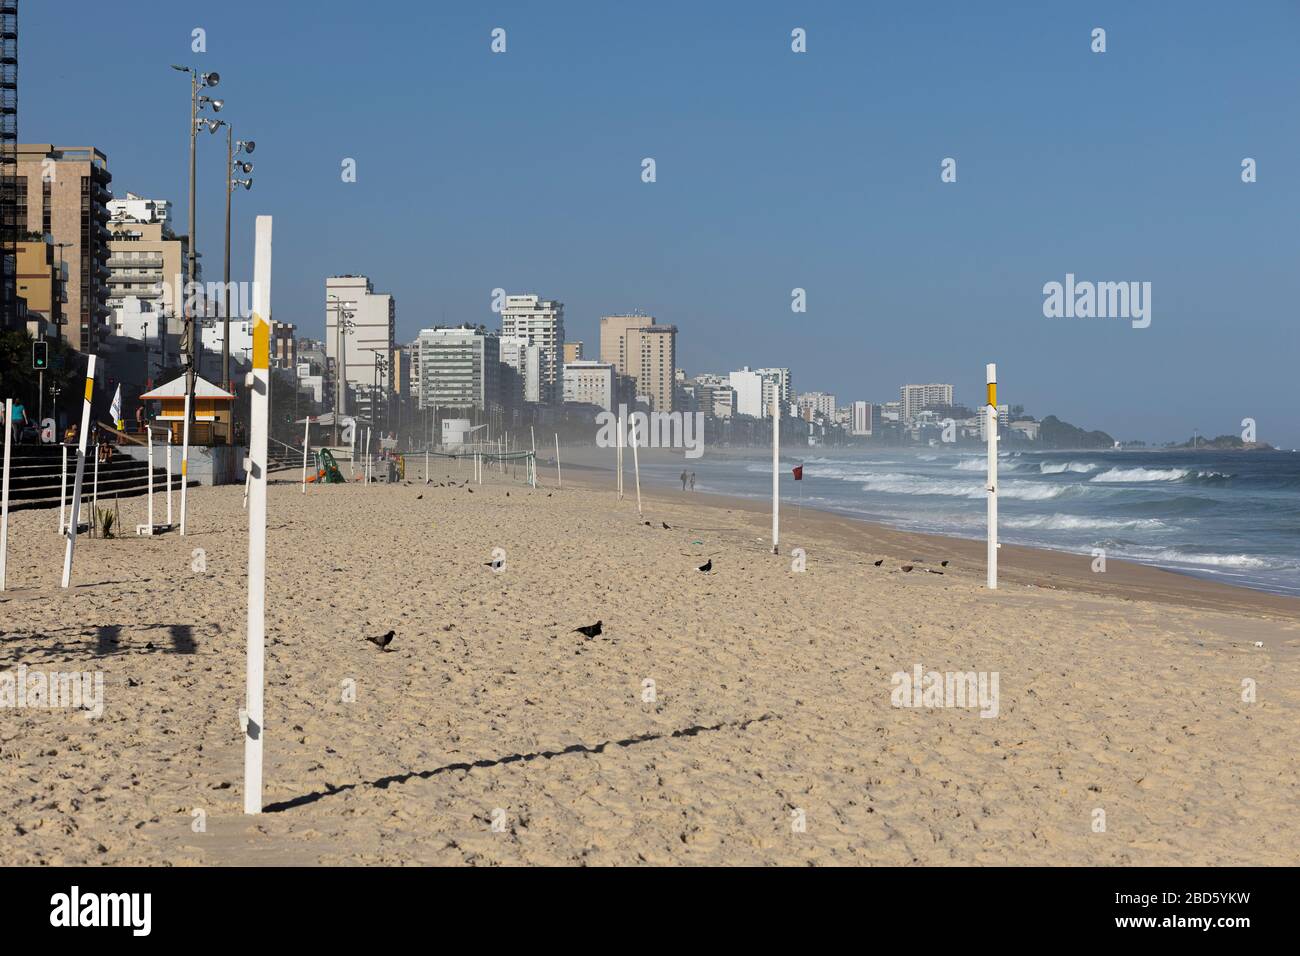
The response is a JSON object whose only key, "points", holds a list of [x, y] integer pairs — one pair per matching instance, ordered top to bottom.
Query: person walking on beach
{"points": [[684, 479]]}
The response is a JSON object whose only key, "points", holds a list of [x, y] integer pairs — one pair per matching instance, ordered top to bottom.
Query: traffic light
{"points": [[40, 355]]}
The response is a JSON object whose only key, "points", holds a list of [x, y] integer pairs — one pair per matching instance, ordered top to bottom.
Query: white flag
{"points": [[115, 410]]}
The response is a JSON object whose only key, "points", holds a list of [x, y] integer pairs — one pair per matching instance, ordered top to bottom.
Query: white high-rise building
{"points": [[542, 322], [369, 327], [519, 352], [456, 368], [780, 381], [590, 383], [748, 386], [777, 386], [714, 395], [913, 398], [814, 405], [861, 418]]}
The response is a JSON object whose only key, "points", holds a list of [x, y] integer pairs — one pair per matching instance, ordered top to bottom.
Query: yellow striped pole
{"points": [[259, 423], [991, 434], [74, 518]]}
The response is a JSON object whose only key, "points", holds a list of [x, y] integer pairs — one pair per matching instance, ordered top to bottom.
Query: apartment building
{"points": [[63, 192], [542, 322], [651, 358], [456, 368], [589, 382], [914, 398]]}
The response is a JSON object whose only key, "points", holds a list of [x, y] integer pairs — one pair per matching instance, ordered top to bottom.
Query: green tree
{"points": [[18, 380]]}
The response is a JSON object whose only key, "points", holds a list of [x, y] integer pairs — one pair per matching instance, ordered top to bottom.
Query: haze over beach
{"points": [[604, 435]]}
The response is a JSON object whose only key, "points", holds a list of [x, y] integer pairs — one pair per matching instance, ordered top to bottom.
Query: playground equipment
{"points": [[328, 472]]}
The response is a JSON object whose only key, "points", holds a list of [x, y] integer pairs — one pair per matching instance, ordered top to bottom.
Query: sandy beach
{"points": [[492, 733]]}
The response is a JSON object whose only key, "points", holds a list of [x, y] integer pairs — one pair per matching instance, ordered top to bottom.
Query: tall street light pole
{"points": [[232, 166], [342, 326], [190, 338]]}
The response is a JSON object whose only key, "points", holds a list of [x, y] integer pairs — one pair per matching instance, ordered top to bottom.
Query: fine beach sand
{"points": [[1119, 692]]}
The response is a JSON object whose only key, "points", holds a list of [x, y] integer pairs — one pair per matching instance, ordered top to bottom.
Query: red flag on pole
{"points": [[798, 472]]}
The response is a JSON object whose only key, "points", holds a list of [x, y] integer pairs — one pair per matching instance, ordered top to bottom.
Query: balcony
{"points": [[142, 262]]}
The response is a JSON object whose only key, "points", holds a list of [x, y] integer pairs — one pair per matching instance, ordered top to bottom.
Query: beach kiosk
{"points": [[213, 410]]}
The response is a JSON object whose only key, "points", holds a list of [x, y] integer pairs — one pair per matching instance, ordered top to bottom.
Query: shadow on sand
{"points": [[385, 782]]}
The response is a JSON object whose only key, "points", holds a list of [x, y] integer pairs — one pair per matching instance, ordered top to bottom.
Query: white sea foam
{"points": [[1061, 467], [1141, 474], [891, 483], [1061, 522], [1211, 560]]}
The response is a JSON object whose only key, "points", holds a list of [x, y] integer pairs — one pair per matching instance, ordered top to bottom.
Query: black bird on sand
{"points": [[471, 491], [418, 497], [665, 524], [880, 562], [943, 564], [706, 567], [590, 630], [383, 640]]}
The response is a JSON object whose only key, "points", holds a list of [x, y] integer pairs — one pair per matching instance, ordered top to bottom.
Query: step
{"points": [[133, 491]]}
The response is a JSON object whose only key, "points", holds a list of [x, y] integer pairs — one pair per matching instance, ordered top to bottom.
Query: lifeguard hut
{"points": [[213, 410]]}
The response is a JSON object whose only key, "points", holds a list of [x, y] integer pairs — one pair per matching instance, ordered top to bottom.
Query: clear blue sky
{"points": [[775, 170]]}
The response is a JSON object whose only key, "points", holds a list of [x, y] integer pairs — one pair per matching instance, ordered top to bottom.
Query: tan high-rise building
{"points": [[63, 191], [37, 280], [613, 337], [572, 352], [651, 355]]}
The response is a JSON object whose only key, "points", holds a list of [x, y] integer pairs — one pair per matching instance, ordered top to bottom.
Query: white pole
{"points": [[991, 377], [259, 421], [306, 440], [618, 454], [352, 458], [185, 460], [533, 464], [636, 465], [426, 466], [367, 469], [776, 472], [169, 477], [559, 478], [149, 482], [94, 489], [63, 491], [4, 493], [74, 519]]}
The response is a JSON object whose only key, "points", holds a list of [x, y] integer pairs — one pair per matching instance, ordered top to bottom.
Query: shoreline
{"points": [[1017, 564]]}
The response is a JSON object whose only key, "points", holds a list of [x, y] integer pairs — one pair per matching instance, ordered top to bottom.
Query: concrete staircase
{"points": [[34, 476]]}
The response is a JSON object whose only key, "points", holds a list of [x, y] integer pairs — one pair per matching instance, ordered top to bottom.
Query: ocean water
{"points": [[1230, 516]]}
